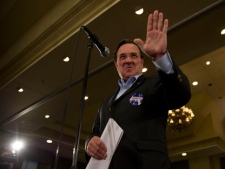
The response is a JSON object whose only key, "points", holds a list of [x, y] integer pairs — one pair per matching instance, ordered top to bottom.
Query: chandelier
{"points": [[180, 119]]}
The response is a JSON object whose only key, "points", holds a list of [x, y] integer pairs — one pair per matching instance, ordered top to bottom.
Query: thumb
{"points": [[139, 42]]}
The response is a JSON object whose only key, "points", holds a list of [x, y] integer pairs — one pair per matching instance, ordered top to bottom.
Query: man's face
{"points": [[129, 62]]}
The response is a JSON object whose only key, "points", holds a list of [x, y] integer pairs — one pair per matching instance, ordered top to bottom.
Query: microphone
{"points": [[104, 51]]}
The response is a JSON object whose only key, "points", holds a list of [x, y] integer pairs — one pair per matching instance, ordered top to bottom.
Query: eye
{"points": [[134, 55], [122, 56]]}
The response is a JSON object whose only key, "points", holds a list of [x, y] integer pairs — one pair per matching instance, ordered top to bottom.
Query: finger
{"points": [[155, 20], [160, 22], [150, 23], [165, 26], [139, 42], [99, 143], [102, 146], [96, 148], [101, 150], [96, 152], [99, 153]]}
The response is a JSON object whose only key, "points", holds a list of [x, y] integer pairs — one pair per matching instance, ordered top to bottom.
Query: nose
{"points": [[128, 59]]}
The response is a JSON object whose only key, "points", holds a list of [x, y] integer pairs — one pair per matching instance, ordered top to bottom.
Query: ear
{"points": [[116, 65]]}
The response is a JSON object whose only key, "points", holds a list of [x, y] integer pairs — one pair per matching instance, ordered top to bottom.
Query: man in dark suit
{"points": [[140, 105]]}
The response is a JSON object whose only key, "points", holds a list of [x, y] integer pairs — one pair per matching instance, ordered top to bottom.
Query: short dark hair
{"points": [[126, 41]]}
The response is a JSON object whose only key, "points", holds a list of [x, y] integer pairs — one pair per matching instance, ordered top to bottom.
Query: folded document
{"points": [[111, 137]]}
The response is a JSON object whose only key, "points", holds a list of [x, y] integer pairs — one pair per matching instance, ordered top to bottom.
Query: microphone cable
{"points": [[66, 101]]}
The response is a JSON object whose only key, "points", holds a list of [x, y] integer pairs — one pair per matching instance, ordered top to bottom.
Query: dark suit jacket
{"points": [[143, 145]]}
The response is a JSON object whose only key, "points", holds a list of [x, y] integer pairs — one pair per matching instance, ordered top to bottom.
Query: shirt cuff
{"points": [[165, 64]]}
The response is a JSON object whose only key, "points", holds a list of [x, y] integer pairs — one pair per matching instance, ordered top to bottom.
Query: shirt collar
{"points": [[131, 80]]}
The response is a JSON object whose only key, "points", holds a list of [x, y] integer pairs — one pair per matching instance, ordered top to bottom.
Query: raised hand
{"points": [[155, 45]]}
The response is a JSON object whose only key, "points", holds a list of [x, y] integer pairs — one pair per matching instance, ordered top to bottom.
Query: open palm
{"points": [[155, 45]]}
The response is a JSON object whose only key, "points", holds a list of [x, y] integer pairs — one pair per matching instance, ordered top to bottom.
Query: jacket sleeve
{"points": [[177, 88], [95, 132]]}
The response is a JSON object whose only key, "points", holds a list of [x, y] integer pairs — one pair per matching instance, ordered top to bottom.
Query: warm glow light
{"points": [[139, 10], [223, 32], [66, 59], [207, 63], [144, 69], [195, 83], [20, 89], [86, 97], [47, 116], [179, 119], [171, 121], [49, 141], [17, 145], [184, 154]]}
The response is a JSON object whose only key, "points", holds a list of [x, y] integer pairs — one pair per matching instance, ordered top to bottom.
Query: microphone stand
{"points": [[76, 145]]}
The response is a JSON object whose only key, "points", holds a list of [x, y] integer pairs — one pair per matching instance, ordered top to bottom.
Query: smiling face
{"points": [[129, 62]]}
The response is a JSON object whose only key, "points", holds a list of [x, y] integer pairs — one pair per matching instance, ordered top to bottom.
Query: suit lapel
{"points": [[113, 97]]}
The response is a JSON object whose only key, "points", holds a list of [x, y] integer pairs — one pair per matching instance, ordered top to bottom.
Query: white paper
{"points": [[111, 137]]}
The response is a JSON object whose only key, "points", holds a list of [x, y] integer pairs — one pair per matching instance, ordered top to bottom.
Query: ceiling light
{"points": [[139, 10], [223, 32], [66, 59], [207, 63], [144, 69], [195, 83], [20, 89], [86, 97], [47, 116], [180, 119], [49, 141], [17, 145], [184, 154]]}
